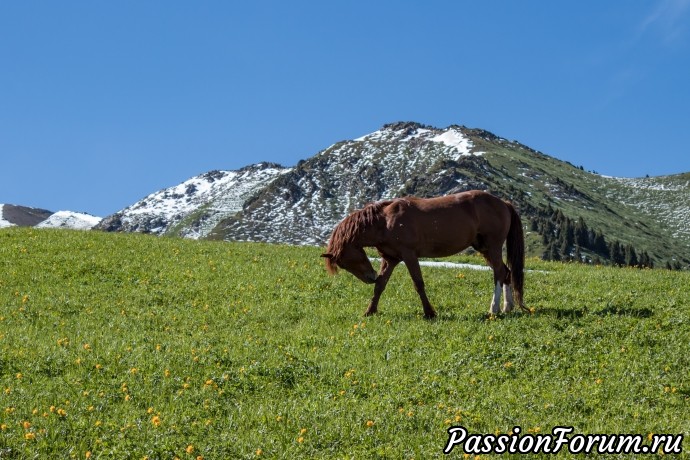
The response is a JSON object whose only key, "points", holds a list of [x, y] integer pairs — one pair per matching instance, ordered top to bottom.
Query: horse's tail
{"points": [[515, 244]]}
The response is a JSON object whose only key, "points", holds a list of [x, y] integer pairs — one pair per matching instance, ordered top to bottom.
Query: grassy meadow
{"points": [[131, 346]]}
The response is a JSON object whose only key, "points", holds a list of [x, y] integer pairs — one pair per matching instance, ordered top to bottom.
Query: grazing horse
{"points": [[405, 229]]}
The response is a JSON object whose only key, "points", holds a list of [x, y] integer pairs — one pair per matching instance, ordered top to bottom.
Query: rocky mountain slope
{"points": [[300, 205], [193, 208], [22, 216]]}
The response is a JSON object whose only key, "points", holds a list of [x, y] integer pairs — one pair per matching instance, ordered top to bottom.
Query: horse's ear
{"points": [[331, 267]]}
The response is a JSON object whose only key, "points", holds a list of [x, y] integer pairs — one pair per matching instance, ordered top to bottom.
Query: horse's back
{"points": [[470, 205], [492, 213], [442, 226]]}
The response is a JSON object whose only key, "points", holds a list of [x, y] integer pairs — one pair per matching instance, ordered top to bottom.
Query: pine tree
{"points": [[581, 233], [600, 245], [564, 250], [554, 254], [616, 254], [630, 256]]}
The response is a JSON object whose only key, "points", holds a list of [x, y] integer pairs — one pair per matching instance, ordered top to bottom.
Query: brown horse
{"points": [[405, 229]]}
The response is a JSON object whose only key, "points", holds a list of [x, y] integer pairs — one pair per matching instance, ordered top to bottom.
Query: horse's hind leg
{"points": [[494, 258], [496, 299], [508, 302]]}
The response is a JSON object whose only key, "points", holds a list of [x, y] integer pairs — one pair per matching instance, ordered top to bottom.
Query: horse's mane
{"points": [[350, 228]]}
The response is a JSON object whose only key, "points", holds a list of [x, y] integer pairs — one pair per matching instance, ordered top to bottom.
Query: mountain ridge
{"points": [[361, 170], [301, 204], [192, 207], [23, 216]]}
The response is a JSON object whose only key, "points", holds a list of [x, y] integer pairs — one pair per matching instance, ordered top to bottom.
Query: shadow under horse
{"points": [[405, 229]]}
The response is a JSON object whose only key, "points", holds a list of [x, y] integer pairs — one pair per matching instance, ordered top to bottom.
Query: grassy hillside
{"points": [[651, 214], [131, 346]]}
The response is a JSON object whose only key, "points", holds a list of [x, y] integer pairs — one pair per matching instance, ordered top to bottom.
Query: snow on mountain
{"points": [[455, 139], [458, 143], [666, 201], [192, 208], [22, 216], [70, 219], [3, 222]]}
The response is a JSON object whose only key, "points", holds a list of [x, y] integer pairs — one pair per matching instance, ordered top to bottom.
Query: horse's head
{"points": [[345, 247], [354, 260]]}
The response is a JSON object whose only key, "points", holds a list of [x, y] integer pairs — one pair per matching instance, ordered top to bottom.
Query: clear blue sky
{"points": [[104, 102]]}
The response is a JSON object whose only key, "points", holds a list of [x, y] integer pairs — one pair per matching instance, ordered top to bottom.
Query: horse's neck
{"points": [[364, 228], [370, 237]]}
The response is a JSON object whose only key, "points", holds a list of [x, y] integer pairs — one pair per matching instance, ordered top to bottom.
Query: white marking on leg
{"points": [[496, 300], [508, 302]]}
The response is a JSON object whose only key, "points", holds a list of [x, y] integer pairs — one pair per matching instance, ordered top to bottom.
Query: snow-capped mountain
{"points": [[301, 205], [194, 207], [22, 216], [70, 219]]}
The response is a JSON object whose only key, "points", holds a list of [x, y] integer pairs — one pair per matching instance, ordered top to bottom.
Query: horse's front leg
{"points": [[412, 264], [387, 266]]}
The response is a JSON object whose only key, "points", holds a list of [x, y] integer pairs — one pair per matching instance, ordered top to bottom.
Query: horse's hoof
{"points": [[430, 315]]}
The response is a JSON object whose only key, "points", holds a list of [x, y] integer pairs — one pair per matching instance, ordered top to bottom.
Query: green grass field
{"points": [[130, 346]]}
